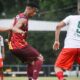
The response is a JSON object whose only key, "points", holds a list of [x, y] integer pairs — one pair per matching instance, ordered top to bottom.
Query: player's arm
{"points": [[20, 23], [60, 25], [17, 27], [4, 28], [17, 30], [58, 30], [57, 34]]}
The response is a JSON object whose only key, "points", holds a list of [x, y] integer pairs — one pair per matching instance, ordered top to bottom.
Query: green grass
{"points": [[41, 78]]}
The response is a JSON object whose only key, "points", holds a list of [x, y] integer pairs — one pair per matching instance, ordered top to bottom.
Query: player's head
{"points": [[31, 9]]}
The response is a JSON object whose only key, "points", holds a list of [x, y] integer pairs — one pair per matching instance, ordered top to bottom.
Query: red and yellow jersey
{"points": [[17, 40]]}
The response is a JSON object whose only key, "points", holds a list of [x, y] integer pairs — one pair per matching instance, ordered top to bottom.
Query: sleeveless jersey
{"points": [[17, 40]]}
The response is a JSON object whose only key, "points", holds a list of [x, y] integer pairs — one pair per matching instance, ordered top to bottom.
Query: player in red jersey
{"points": [[22, 49]]}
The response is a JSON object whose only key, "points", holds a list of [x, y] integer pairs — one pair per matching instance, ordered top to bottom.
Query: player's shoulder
{"points": [[69, 16], [73, 16], [21, 17]]}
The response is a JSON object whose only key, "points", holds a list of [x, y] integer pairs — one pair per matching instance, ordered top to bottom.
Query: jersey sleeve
{"points": [[67, 20]]}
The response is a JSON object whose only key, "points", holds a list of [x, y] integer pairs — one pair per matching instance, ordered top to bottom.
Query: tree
{"points": [[1, 7], [49, 9], [54, 9]]}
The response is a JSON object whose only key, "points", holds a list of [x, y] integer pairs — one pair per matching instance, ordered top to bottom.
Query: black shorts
{"points": [[26, 54]]}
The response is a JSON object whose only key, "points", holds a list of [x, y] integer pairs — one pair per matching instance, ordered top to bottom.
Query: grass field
{"points": [[41, 78]]}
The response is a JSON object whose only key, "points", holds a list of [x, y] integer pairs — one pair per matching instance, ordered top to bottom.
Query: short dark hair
{"points": [[33, 5]]}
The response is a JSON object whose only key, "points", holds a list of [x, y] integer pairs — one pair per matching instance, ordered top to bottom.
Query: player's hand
{"points": [[23, 32], [56, 45]]}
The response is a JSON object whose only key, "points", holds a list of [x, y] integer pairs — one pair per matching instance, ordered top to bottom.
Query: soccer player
{"points": [[11, 28], [22, 49], [71, 50], [2, 56]]}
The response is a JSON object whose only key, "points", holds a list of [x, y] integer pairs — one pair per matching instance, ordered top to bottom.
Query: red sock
{"points": [[37, 68], [30, 71], [60, 75]]}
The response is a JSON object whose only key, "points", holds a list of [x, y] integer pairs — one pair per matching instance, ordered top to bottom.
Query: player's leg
{"points": [[21, 54], [78, 56], [32, 57], [37, 61], [64, 61], [78, 61], [37, 67], [30, 69], [33, 69]]}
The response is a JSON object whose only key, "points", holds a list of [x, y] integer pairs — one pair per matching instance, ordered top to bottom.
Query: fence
{"points": [[47, 70]]}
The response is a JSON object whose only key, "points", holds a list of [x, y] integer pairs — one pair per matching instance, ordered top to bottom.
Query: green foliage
{"points": [[49, 9], [54, 9], [43, 42]]}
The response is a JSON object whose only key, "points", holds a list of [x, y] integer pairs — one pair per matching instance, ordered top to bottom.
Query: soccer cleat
{"points": [[30, 78], [34, 79]]}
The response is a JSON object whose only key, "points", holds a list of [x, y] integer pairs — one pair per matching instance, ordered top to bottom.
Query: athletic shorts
{"points": [[26, 54], [67, 57], [1, 62]]}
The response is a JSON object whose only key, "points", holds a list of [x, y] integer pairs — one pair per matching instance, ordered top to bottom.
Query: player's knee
{"points": [[41, 58], [57, 69]]}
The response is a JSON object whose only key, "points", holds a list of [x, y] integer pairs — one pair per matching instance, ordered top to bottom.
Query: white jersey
{"points": [[72, 39], [1, 44]]}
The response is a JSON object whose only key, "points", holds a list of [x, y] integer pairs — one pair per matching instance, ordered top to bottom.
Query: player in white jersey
{"points": [[71, 50], [2, 55]]}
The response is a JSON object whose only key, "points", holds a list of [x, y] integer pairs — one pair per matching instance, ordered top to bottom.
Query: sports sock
{"points": [[37, 68], [30, 71], [60, 75]]}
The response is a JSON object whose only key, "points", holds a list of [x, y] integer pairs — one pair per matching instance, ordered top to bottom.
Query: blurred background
{"points": [[48, 10], [40, 36]]}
